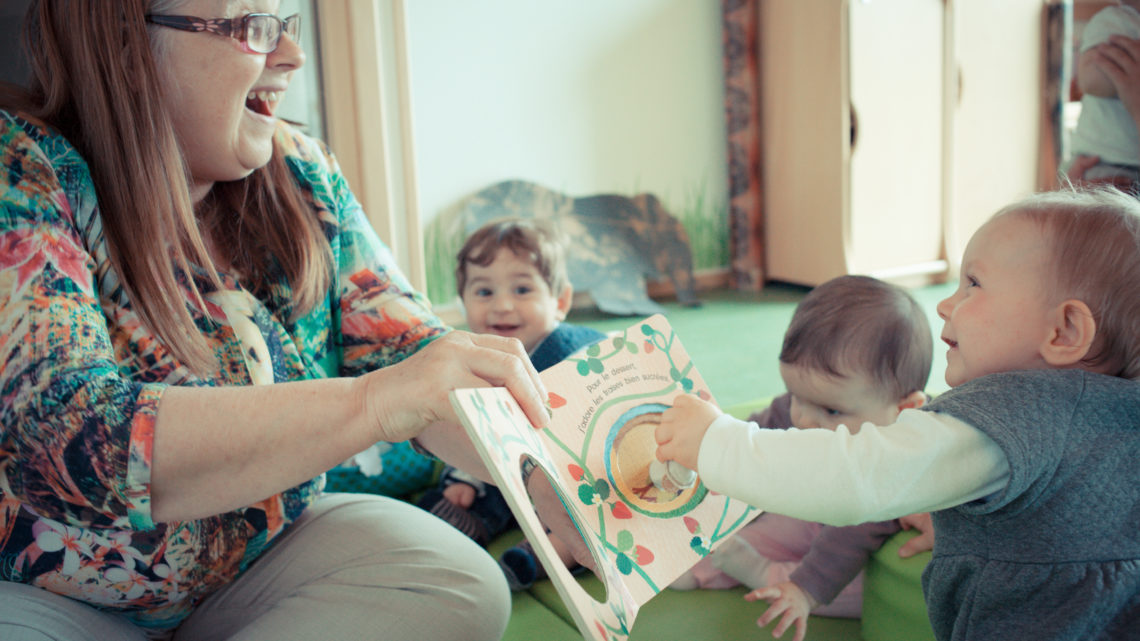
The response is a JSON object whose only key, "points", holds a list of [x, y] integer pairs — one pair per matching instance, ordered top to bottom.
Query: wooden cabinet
{"points": [[998, 116], [861, 160]]}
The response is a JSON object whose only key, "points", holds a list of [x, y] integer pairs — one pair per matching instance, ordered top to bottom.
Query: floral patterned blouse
{"points": [[82, 380]]}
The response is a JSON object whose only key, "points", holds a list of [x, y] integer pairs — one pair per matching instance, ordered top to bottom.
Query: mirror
{"points": [[1066, 22], [592, 585]]}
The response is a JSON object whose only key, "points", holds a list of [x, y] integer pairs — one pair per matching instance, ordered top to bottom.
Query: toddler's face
{"points": [[510, 298], [997, 320], [823, 401]]}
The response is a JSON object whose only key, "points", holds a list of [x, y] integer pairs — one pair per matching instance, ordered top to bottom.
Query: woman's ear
{"points": [[564, 300], [1071, 333], [914, 400]]}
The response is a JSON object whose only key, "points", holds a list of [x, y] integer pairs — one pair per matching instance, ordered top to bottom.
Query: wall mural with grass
{"points": [[703, 217]]}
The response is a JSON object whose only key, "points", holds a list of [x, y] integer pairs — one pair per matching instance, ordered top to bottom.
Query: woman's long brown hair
{"points": [[95, 78]]}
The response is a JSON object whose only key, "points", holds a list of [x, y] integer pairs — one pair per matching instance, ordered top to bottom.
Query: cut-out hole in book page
{"points": [[645, 523]]}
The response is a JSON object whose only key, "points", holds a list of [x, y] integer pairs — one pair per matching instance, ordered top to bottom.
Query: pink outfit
{"points": [[785, 541], [824, 561]]}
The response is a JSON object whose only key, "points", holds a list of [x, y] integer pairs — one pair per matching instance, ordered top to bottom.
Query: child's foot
{"points": [[459, 518], [521, 567]]}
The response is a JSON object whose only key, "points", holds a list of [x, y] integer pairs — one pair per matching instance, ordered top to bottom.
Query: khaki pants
{"points": [[353, 567]]}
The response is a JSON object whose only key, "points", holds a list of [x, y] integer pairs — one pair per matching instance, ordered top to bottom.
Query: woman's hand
{"points": [[1119, 59], [1081, 164], [404, 399], [682, 428], [788, 600]]}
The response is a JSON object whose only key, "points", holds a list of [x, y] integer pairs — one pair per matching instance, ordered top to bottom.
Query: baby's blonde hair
{"points": [[1094, 236]]}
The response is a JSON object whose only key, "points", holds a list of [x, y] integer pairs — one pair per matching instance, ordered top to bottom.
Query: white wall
{"points": [[584, 96]]}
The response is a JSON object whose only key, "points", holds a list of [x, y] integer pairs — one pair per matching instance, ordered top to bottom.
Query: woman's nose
{"points": [[288, 56]]}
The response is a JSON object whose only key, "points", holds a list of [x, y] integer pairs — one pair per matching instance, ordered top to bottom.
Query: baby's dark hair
{"points": [[1094, 236], [536, 241], [861, 325]]}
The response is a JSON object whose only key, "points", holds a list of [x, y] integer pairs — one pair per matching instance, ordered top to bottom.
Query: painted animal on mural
{"points": [[615, 243]]}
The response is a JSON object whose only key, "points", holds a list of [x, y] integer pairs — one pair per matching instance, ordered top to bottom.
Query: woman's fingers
{"points": [[505, 363], [405, 398]]}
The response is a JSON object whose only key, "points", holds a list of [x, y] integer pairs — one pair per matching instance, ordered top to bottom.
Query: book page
{"points": [[605, 403]]}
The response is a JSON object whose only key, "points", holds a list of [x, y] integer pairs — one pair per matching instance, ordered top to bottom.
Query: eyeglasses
{"points": [[260, 32]]}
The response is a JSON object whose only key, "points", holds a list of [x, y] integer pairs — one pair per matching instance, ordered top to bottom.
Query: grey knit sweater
{"points": [[1056, 553]]}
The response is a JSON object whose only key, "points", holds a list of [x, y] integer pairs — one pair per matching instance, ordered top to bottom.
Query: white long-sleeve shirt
{"points": [[923, 462]]}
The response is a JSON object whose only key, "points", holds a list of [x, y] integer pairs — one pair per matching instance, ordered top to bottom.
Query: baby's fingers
{"points": [[664, 434], [763, 593], [774, 610], [786, 621]]}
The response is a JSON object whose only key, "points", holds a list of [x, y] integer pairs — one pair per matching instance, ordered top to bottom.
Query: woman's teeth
{"points": [[265, 96], [263, 102]]}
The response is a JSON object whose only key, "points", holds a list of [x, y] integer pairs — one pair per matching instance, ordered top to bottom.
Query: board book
{"points": [[605, 402]]}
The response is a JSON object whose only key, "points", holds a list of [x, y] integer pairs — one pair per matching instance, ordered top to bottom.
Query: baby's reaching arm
{"points": [[923, 462]]}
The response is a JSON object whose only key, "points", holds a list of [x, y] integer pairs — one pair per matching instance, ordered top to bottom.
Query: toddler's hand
{"points": [[682, 428], [460, 494], [925, 539], [786, 599]]}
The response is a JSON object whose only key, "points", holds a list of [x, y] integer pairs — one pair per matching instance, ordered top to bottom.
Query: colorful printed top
{"points": [[82, 380]]}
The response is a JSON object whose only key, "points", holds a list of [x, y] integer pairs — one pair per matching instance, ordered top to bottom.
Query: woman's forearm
{"points": [[449, 441], [220, 448]]}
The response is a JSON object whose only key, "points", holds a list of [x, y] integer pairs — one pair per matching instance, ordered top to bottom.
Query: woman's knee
{"points": [[373, 560], [28, 613]]}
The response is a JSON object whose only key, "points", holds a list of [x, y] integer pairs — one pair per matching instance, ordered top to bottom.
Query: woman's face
{"points": [[222, 97]]}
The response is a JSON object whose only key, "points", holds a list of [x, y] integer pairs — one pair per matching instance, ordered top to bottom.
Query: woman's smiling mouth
{"points": [[263, 102]]}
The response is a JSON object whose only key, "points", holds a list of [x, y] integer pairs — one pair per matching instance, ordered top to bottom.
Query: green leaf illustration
{"points": [[583, 368], [602, 489], [586, 494], [624, 540], [624, 564]]}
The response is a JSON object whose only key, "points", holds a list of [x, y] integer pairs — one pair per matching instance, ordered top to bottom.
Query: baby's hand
{"points": [[682, 428], [460, 494], [925, 539], [789, 600]]}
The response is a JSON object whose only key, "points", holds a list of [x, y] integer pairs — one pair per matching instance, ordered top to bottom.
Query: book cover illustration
{"points": [[605, 402]]}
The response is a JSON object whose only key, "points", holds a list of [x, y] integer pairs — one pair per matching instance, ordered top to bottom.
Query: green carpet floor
{"points": [[734, 338]]}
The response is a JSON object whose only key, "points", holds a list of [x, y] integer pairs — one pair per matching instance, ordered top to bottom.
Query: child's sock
{"points": [[460, 519], [739, 560], [521, 567]]}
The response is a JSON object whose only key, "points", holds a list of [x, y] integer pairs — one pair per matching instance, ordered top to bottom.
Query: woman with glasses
{"points": [[196, 321]]}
